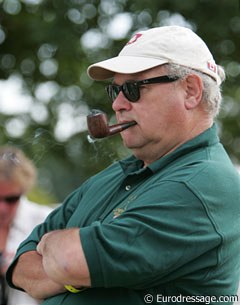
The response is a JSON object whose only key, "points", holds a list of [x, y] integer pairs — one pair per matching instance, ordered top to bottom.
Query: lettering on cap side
{"points": [[134, 38], [212, 66]]}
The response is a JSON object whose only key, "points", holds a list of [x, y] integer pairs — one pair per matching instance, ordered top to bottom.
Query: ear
{"points": [[194, 88]]}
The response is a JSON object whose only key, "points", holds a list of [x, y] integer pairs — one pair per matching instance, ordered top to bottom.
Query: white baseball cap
{"points": [[158, 46]]}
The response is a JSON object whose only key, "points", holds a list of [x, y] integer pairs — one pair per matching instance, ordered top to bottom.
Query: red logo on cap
{"points": [[134, 38], [212, 66]]}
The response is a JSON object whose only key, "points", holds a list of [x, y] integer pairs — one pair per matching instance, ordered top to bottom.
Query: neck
{"points": [[155, 151]]}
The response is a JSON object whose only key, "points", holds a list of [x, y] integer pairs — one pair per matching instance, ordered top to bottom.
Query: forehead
{"points": [[157, 71]]}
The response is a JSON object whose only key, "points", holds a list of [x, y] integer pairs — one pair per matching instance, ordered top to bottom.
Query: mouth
{"points": [[127, 123], [98, 125], [113, 129]]}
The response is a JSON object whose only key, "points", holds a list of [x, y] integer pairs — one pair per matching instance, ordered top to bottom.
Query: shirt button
{"points": [[127, 187]]}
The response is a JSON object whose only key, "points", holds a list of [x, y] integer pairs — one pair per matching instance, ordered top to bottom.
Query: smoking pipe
{"points": [[98, 125]]}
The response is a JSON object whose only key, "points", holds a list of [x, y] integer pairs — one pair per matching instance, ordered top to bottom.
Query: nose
{"points": [[121, 103]]}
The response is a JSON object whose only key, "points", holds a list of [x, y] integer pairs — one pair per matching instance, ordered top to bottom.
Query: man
{"points": [[18, 215], [163, 223]]}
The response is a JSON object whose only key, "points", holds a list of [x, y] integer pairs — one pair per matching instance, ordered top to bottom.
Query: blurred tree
{"points": [[48, 45]]}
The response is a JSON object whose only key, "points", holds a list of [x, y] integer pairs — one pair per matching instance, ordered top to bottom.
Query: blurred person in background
{"points": [[18, 216]]}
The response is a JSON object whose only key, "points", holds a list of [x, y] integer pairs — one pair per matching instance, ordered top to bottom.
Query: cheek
{"points": [[160, 109], [157, 114], [163, 121], [13, 210], [7, 215]]}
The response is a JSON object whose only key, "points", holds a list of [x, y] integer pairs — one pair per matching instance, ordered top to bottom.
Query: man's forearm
{"points": [[63, 257], [29, 275]]}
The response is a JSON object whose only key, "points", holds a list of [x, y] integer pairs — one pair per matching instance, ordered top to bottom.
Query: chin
{"points": [[128, 138], [132, 139], [131, 143]]}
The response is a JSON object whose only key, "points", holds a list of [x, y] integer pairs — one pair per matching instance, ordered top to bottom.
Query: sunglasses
{"points": [[131, 89], [12, 199]]}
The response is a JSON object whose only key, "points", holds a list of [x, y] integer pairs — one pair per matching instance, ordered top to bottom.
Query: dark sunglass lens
{"points": [[108, 89], [113, 91], [131, 91], [12, 199]]}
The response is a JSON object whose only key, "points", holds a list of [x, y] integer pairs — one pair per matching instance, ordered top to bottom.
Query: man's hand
{"points": [[63, 258], [29, 275]]}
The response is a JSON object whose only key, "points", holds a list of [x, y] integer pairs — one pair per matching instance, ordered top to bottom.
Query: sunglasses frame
{"points": [[113, 90], [11, 199]]}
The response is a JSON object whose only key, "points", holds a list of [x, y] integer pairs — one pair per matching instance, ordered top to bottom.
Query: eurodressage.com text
{"points": [[159, 298]]}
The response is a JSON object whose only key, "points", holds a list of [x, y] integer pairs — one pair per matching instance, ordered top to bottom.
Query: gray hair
{"points": [[212, 96]]}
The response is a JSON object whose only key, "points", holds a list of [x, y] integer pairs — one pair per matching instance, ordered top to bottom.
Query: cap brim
{"points": [[122, 64]]}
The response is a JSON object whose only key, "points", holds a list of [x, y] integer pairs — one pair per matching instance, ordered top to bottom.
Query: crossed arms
{"points": [[59, 260]]}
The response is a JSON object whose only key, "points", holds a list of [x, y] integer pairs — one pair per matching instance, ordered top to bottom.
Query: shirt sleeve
{"points": [[159, 238]]}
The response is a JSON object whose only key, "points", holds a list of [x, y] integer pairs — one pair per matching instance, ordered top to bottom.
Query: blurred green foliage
{"points": [[49, 44]]}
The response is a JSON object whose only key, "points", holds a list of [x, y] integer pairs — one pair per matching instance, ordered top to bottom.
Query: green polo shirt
{"points": [[169, 230]]}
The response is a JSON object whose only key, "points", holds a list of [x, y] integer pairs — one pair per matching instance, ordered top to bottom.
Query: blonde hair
{"points": [[16, 167]]}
